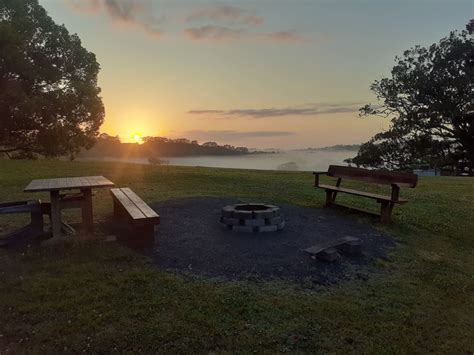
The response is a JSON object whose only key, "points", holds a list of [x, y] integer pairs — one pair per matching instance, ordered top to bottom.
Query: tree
{"points": [[49, 98], [429, 99]]}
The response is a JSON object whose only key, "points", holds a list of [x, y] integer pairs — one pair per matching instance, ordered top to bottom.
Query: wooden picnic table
{"points": [[81, 200]]}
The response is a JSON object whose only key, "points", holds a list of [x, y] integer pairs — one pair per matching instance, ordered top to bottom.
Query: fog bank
{"points": [[291, 160]]}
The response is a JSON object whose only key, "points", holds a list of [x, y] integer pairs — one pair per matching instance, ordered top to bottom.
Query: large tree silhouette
{"points": [[429, 99], [49, 101]]}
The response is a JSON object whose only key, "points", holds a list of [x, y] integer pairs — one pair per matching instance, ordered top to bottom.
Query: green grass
{"points": [[99, 297]]}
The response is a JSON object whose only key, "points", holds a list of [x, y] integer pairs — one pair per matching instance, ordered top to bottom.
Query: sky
{"points": [[262, 74]]}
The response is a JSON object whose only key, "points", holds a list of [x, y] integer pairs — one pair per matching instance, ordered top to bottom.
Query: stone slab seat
{"points": [[383, 177], [141, 217], [334, 243]]}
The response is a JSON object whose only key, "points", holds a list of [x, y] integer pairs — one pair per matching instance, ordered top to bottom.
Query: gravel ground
{"points": [[191, 240]]}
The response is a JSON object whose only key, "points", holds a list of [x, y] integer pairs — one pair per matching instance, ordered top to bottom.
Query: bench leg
{"points": [[329, 198], [386, 208], [117, 209], [55, 214], [87, 215], [143, 236]]}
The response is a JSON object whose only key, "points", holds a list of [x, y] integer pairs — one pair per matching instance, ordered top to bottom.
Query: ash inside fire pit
{"points": [[252, 218]]}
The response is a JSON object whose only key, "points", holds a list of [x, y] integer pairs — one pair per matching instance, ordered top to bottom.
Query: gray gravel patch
{"points": [[191, 240]]}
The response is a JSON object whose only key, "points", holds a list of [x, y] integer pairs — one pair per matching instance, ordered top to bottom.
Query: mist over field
{"points": [[287, 160]]}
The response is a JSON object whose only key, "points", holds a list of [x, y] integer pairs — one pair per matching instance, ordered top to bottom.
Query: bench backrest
{"points": [[374, 176]]}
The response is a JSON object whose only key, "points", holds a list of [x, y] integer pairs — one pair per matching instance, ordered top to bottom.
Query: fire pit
{"points": [[252, 218]]}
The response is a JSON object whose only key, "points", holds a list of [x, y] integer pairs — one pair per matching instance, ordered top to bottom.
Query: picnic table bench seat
{"points": [[387, 202], [141, 217], [32, 230]]}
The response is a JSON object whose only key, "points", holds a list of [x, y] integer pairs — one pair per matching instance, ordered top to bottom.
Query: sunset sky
{"points": [[284, 74]]}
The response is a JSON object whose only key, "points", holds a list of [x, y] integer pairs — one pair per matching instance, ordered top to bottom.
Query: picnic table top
{"points": [[68, 183]]}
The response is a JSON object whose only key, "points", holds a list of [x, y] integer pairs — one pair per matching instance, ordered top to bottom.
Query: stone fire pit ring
{"points": [[252, 218]]}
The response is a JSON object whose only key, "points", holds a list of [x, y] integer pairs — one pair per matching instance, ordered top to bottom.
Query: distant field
{"points": [[98, 298]]}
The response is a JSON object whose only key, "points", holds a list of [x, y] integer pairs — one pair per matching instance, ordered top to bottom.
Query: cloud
{"points": [[85, 6], [135, 14], [225, 14], [223, 23], [226, 23], [214, 33], [284, 36], [303, 110], [233, 135]]}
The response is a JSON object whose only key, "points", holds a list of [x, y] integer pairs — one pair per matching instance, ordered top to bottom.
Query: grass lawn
{"points": [[99, 297]]}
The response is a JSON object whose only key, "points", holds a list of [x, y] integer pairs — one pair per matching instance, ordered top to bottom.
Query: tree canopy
{"points": [[49, 98], [429, 100]]}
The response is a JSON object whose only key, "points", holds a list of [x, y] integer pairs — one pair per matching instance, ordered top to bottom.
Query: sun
{"points": [[137, 137]]}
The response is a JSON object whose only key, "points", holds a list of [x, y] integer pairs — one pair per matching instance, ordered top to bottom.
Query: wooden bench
{"points": [[387, 202], [139, 215], [32, 230]]}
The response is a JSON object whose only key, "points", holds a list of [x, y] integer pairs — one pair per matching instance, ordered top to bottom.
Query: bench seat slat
{"points": [[361, 193], [127, 204], [136, 208], [147, 211]]}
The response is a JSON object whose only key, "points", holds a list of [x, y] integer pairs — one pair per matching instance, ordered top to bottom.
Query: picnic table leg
{"points": [[55, 214], [87, 217]]}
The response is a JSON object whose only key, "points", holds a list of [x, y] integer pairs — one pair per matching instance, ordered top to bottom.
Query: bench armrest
{"points": [[316, 177]]}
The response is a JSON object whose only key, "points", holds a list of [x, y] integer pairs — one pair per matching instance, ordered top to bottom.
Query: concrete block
{"points": [[272, 206], [227, 211], [275, 212], [243, 214], [263, 214], [276, 220], [254, 222], [245, 229], [267, 229]]}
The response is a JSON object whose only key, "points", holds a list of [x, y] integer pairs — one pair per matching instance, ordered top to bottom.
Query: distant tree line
{"points": [[111, 146], [335, 148]]}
